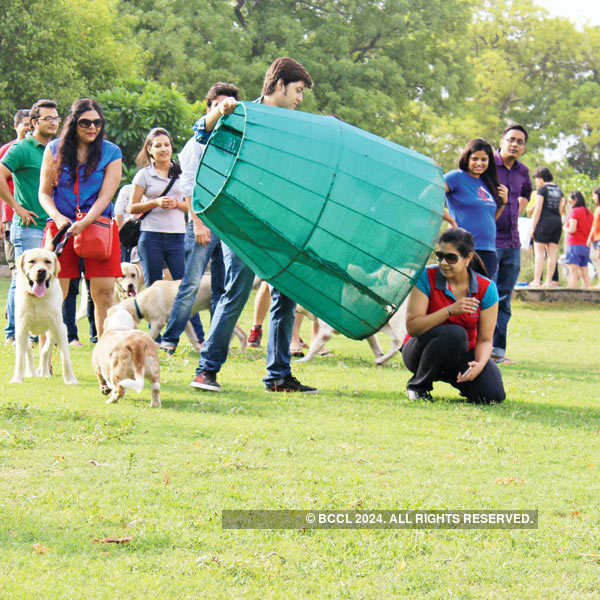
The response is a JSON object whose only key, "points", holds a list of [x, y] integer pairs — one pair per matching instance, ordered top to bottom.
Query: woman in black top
{"points": [[547, 225]]}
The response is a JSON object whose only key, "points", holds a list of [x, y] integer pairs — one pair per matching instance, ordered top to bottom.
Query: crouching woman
{"points": [[451, 316]]}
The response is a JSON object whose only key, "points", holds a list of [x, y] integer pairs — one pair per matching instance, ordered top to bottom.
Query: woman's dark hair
{"points": [[67, 146], [143, 159], [543, 173], [490, 176], [597, 192], [578, 199], [463, 241]]}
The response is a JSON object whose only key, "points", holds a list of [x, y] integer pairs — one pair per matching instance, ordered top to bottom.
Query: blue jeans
{"points": [[23, 238], [156, 249], [196, 259], [509, 265], [238, 283]]}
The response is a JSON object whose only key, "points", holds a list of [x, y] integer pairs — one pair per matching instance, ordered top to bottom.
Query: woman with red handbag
{"points": [[81, 172]]}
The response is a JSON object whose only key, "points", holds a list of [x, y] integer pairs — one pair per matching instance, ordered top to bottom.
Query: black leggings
{"points": [[440, 354]]}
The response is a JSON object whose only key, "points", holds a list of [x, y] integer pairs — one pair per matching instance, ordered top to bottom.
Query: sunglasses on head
{"points": [[87, 123], [450, 257]]}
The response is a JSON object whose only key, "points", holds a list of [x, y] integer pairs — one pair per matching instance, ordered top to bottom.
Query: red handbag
{"points": [[96, 240]]}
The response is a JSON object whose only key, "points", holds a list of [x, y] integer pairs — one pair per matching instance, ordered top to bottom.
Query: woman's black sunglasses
{"points": [[87, 123], [450, 257]]}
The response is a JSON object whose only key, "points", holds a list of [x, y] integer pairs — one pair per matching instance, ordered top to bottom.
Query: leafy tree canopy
{"points": [[64, 49]]}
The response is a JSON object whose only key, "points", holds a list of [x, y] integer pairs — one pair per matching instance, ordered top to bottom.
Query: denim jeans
{"points": [[23, 238], [156, 249], [196, 259], [509, 265], [238, 283]]}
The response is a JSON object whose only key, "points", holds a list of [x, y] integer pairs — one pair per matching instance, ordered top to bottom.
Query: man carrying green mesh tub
{"points": [[284, 84]]}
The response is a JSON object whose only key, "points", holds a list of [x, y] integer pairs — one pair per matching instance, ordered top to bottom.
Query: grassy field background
{"points": [[74, 470]]}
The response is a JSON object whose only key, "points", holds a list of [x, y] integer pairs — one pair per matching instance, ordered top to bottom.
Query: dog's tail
{"points": [[137, 360]]}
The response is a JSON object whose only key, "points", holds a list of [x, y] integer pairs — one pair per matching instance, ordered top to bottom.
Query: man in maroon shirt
{"points": [[22, 127], [515, 176]]}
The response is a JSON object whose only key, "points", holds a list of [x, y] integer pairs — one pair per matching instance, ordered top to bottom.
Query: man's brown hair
{"points": [[287, 69], [221, 88], [34, 112]]}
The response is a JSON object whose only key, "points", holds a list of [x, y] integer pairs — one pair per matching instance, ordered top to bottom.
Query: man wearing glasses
{"points": [[23, 162], [515, 176]]}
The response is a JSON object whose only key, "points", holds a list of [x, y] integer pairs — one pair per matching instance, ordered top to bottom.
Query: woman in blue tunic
{"points": [[476, 200]]}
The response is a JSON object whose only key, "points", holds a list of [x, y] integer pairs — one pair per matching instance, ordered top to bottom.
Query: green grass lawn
{"points": [[74, 470]]}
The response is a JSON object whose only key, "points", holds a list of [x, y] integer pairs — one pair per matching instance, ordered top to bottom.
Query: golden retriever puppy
{"points": [[38, 309], [124, 357]]}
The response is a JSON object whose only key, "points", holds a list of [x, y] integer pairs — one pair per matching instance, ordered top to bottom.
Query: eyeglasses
{"points": [[50, 119], [88, 123], [517, 141], [450, 257]]}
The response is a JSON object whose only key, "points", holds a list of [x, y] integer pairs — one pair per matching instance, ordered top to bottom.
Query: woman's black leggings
{"points": [[440, 354]]}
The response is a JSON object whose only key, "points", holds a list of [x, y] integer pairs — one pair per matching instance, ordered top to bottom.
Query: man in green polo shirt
{"points": [[24, 161]]}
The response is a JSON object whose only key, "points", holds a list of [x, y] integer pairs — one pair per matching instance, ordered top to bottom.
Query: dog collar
{"points": [[138, 312]]}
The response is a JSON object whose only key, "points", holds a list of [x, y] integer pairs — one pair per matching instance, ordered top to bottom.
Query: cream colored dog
{"points": [[130, 283], [126, 286], [155, 303], [38, 309], [395, 328], [124, 357]]}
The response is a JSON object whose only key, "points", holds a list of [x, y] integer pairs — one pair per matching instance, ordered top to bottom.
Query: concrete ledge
{"points": [[556, 295]]}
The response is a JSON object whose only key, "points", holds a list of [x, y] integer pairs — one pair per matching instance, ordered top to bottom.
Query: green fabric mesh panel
{"points": [[340, 220]]}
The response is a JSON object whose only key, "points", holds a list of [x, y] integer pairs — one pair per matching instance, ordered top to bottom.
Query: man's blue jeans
{"points": [[23, 238], [196, 259], [509, 266], [238, 283]]}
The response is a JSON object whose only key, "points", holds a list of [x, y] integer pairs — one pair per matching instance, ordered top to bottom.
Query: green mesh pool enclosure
{"points": [[340, 220]]}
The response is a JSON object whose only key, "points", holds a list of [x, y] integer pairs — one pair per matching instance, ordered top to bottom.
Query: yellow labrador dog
{"points": [[131, 283], [127, 286], [155, 303], [38, 309], [124, 356]]}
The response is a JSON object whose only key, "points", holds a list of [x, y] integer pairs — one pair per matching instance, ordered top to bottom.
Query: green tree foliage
{"points": [[64, 49], [369, 60], [535, 70], [133, 107]]}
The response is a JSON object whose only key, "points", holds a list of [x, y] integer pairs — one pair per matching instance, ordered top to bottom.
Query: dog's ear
{"points": [[138, 266]]}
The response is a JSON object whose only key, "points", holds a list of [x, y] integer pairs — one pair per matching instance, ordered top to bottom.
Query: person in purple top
{"points": [[513, 174]]}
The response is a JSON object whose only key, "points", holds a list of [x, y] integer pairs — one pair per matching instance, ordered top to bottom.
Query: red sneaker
{"points": [[255, 336], [206, 381]]}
